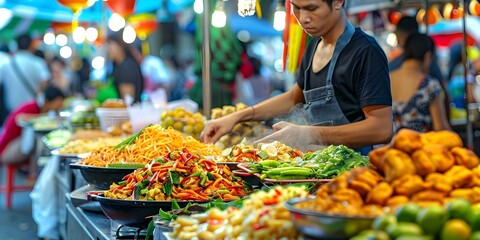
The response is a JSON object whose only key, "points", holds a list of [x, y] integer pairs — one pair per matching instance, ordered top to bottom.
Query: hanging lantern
{"points": [[75, 5], [122, 7], [474, 8], [447, 10], [456, 13], [430, 16], [394, 17], [144, 24], [61, 27]]}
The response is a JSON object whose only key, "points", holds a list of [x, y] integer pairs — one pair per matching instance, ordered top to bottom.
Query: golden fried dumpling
{"points": [[446, 138], [407, 140], [438, 154], [376, 157], [465, 157], [423, 163], [397, 164], [460, 176], [476, 178], [363, 180], [439, 182], [408, 185], [465, 193], [380, 194], [428, 195], [349, 196], [396, 201]]}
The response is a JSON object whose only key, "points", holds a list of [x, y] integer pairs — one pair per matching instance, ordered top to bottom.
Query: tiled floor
{"points": [[16, 223]]}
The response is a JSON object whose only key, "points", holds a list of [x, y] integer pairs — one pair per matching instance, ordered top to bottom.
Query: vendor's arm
{"points": [[126, 89], [267, 109], [438, 113], [376, 128]]}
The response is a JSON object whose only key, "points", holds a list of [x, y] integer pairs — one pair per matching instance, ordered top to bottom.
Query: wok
{"points": [[102, 177], [132, 212]]}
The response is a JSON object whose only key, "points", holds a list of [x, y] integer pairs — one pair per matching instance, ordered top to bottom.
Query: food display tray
{"points": [[56, 152], [232, 165], [245, 167], [102, 177], [79, 199]]}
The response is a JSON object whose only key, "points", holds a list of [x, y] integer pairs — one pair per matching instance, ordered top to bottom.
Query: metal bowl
{"points": [[318, 225]]}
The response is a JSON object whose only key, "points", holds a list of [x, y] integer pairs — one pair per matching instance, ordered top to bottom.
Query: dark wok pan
{"points": [[102, 177], [132, 212]]}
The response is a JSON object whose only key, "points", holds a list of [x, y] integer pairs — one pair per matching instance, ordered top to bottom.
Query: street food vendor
{"points": [[343, 82]]}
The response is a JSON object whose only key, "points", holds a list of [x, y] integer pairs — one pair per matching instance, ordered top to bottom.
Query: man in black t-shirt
{"points": [[343, 83]]}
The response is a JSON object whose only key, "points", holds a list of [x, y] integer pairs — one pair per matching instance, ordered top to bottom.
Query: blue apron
{"points": [[322, 108]]}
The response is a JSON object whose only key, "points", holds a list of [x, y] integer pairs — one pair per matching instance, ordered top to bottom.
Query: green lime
{"points": [[168, 122], [459, 208], [407, 212], [431, 219], [474, 219], [381, 223], [404, 228], [455, 229], [372, 234], [475, 236], [414, 237]]}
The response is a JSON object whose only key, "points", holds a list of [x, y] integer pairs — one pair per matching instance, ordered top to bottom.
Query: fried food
{"points": [[114, 103], [446, 138], [407, 141], [436, 153], [376, 157], [465, 157], [423, 163], [397, 164], [460, 176], [476, 178], [363, 180], [439, 182], [408, 185], [465, 193], [380, 194], [428, 195], [349, 196], [396, 201]]}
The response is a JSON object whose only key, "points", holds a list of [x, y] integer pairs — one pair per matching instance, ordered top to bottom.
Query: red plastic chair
{"points": [[10, 186]]}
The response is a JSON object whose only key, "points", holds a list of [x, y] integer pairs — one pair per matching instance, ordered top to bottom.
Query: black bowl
{"points": [[102, 177]]}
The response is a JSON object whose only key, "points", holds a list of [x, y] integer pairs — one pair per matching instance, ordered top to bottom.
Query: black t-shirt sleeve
{"points": [[127, 73], [373, 80]]}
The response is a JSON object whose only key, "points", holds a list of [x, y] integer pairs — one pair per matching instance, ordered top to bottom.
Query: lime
{"points": [[164, 115], [197, 116], [190, 121], [168, 122], [178, 126], [198, 128], [188, 129], [459, 208], [407, 212], [431, 219], [474, 219], [381, 223], [404, 228], [455, 229], [372, 234], [475, 236], [414, 237]]}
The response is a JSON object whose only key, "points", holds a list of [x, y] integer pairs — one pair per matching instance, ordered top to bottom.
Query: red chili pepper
{"points": [[248, 156], [127, 176], [152, 180], [184, 180], [278, 192], [264, 212], [213, 221], [257, 226]]}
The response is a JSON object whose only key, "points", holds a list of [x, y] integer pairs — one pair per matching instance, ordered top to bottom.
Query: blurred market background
{"points": [[249, 52]]}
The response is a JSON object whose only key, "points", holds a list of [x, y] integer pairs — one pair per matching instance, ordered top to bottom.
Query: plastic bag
{"points": [[28, 140], [44, 201]]}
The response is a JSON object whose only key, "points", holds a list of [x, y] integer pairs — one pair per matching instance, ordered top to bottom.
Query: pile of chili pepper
{"points": [[183, 176]]}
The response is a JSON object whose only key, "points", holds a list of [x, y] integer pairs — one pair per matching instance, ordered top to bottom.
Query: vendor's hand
{"points": [[217, 128], [289, 134]]}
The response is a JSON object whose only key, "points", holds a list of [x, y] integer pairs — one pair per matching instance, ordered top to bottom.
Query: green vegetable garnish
{"points": [[129, 140]]}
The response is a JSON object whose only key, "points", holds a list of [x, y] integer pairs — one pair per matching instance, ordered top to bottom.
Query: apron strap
{"points": [[342, 41]]}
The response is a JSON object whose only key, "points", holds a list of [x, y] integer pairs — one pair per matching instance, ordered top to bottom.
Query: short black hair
{"points": [[329, 3], [407, 24], [24, 41], [417, 45], [52, 92]]}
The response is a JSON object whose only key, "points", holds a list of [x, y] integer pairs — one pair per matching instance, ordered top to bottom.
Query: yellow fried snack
{"points": [[446, 138], [407, 141], [438, 154], [376, 157], [465, 157], [423, 163], [397, 164], [460, 176], [476, 178], [363, 180], [439, 182], [408, 185], [465, 193], [380, 194], [428, 195], [349, 196], [396, 201]]}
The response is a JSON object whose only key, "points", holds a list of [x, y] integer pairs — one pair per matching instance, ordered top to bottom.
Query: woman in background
{"points": [[127, 76], [417, 99]]}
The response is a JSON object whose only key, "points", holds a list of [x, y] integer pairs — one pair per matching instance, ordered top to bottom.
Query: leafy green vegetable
{"points": [[262, 154], [210, 176], [175, 177], [167, 188], [175, 205], [164, 215], [150, 228]]}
